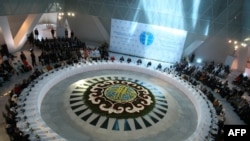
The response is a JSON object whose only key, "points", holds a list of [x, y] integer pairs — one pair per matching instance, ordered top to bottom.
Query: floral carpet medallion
{"points": [[119, 98], [118, 103]]}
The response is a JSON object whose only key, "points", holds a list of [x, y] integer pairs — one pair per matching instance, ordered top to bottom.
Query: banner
{"points": [[147, 41]]}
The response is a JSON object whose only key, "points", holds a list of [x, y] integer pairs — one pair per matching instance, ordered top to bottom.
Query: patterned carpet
{"points": [[105, 94]]}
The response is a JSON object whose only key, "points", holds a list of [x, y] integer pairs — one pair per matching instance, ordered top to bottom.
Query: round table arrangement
{"points": [[114, 101]]}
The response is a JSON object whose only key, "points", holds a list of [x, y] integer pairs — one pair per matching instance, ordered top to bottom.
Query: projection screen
{"points": [[148, 41]]}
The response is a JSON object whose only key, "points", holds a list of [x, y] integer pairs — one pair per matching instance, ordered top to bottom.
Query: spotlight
{"points": [[229, 41], [243, 44]]}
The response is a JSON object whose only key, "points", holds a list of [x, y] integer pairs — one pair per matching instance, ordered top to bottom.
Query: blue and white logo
{"points": [[146, 38]]}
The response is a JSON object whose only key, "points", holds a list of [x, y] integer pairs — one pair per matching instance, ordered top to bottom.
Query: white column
{"points": [[27, 27], [7, 35], [15, 44]]}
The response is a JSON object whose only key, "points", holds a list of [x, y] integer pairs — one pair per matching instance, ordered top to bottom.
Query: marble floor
{"points": [[55, 116], [177, 119]]}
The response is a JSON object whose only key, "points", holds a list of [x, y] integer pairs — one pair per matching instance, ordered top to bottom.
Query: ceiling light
{"points": [[247, 39], [243, 44], [199, 60]]}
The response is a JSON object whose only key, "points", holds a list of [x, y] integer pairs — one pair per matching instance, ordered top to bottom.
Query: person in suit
{"points": [[53, 33], [66, 33], [72, 34], [23, 56], [33, 58], [121, 59], [129, 60], [139, 62], [149, 64], [159, 66]]}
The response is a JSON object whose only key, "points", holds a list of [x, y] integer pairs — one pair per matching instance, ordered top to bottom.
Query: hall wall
{"points": [[15, 22], [86, 28], [214, 49]]}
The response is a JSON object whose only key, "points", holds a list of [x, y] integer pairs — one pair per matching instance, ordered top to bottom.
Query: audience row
{"points": [[233, 94]]}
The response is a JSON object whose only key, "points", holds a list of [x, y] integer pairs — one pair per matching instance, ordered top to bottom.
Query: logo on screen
{"points": [[146, 38]]}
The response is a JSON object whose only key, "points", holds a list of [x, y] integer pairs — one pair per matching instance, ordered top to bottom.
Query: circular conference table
{"points": [[32, 121]]}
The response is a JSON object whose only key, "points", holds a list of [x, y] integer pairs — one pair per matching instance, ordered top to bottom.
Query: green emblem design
{"points": [[120, 93], [119, 99]]}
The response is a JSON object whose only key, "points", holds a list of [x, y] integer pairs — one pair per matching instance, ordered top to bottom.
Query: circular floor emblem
{"points": [[120, 93], [119, 98], [104, 100]]}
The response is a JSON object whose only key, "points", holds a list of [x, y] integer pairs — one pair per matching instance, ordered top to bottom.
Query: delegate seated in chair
{"points": [[112, 58], [121, 59], [129, 60], [139, 62], [149, 64], [159, 67]]}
